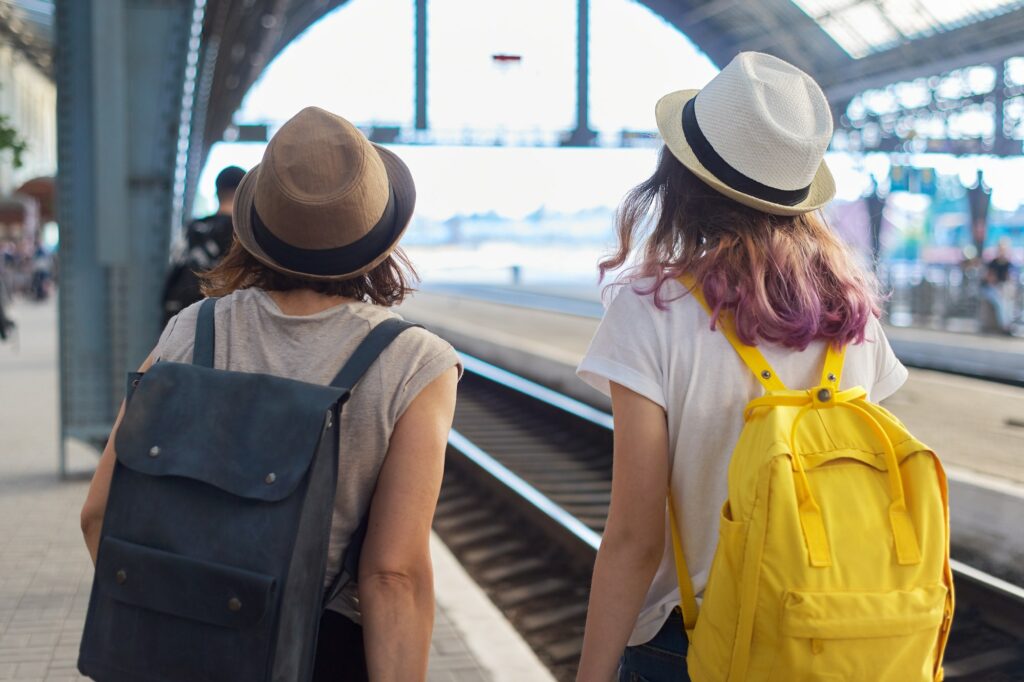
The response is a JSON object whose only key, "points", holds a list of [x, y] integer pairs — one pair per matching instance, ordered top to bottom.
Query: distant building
{"points": [[28, 98]]}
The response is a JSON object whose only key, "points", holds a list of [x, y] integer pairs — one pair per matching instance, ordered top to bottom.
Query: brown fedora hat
{"points": [[324, 203]]}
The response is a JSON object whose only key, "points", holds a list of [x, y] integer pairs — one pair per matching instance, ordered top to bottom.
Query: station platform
{"points": [[999, 358], [976, 426], [46, 575]]}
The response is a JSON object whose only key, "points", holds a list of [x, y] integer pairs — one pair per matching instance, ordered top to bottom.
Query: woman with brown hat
{"points": [[734, 200], [314, 266]]}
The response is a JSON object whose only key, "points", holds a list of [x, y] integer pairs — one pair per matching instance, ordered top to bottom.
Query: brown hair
{"points": [[784, 279], [387, 284]]}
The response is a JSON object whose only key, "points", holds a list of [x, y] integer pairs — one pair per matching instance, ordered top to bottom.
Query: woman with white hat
{"points": [[732, 205], [314, 266]]}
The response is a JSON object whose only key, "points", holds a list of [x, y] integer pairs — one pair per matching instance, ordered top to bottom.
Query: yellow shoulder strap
{"points": [[750, 355], [832, 373], [687, 599]]}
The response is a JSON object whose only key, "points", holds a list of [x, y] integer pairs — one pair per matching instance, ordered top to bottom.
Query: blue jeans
{"points": [[663, 659]]}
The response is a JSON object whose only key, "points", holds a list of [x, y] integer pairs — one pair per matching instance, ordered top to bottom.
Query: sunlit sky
{"points": [[358, 61]]}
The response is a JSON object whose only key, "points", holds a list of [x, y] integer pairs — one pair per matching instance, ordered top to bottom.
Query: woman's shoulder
{"points": [[646, 298], [416, 341]]}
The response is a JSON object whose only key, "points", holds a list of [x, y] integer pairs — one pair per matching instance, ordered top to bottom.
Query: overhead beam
{"points": [[986, 42]]}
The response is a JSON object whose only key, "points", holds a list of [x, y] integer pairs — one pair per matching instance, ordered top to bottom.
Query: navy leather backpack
{"points": [[214, 546]]}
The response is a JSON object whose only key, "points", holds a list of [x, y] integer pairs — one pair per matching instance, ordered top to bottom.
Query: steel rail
{"points": [[526, 492]]}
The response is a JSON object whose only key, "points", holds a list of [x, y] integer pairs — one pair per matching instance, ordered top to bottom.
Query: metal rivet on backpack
{"points": [[766, 374], [831, 377], [135, 383], [824, 395], [154, 451], [271, 477], [121, 577], [234, 604]]}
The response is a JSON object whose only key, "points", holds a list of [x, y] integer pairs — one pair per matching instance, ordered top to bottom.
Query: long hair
{"points": [[786, 280], [387, 284]]}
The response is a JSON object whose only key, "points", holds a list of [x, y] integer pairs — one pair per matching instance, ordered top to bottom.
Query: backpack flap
{"points": [[176, 424], [181, 586]]}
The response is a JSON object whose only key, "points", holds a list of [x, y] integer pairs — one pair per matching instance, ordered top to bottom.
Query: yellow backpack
{"points": [[833, 554]]}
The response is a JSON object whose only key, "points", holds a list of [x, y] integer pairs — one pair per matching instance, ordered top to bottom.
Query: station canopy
{"points": [[864, 27], [848, 45]]}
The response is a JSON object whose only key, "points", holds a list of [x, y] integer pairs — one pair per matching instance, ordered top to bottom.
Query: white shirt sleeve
{"points": [[625, 349], [890, 374]]}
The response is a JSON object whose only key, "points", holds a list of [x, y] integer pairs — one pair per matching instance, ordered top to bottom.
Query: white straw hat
{"points": [[757, 133]]}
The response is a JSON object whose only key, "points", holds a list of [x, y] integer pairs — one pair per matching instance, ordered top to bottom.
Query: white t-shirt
{"points": [[673, 358]]}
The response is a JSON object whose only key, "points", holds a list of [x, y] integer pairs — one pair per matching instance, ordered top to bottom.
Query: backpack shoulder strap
{"points": [[379, 338], [202, 349], [750, 355], [832, 372], [687, 598]]}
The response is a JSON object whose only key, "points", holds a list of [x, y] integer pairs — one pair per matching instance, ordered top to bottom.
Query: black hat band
{"points": [[721, 169], [329, 262]]}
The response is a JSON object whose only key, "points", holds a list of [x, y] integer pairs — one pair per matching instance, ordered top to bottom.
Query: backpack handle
{"points": [[908, 550]]}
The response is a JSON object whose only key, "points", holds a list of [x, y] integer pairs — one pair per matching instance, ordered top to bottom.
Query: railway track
{"points": [[525, 496]]}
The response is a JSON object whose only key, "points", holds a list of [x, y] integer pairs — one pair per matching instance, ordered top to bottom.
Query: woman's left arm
{"points": [[96, 501], [634, 537]]}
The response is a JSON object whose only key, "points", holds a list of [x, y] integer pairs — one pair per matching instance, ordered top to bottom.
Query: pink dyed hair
{"points": [[786, 280]]}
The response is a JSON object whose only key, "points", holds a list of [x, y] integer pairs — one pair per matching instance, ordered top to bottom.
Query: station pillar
{"points": [[120, 68], [582, 135]]}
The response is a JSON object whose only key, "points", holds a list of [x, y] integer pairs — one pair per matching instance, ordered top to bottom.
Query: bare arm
{"points": [[96, 500], [634, 538], [396, 581]]}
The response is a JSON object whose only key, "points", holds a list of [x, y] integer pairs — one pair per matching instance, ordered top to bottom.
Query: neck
{"points": [[225, 206], [306, 301]]}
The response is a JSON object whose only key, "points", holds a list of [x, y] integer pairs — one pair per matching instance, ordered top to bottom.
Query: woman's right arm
{"points": [[396, 580]]}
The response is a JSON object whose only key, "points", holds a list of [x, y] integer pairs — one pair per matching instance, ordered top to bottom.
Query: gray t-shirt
{"points": [[253, 335]]}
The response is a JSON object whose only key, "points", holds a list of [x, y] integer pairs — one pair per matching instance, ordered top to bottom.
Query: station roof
{"points": [[847, 45]]}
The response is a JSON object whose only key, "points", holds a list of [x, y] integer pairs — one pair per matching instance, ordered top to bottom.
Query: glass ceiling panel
{"points": [[863, 27]]}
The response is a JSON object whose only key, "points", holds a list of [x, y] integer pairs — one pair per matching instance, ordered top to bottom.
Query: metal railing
{"points": [[949, 298]]}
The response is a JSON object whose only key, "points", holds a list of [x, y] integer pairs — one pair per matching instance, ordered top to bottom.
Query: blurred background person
{"points": [[205, 242], [994, 285]]}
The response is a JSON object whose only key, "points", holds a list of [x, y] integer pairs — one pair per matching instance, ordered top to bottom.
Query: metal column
{"points": [[421, 64], [121, 68], [582, 135], [85, 377]]}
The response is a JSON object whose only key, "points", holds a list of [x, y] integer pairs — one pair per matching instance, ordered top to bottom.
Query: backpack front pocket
{"points": [[715, 634], [878, 636]]}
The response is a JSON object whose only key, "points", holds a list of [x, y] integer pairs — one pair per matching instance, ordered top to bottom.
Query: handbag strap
{"points": [[202, 349]]}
